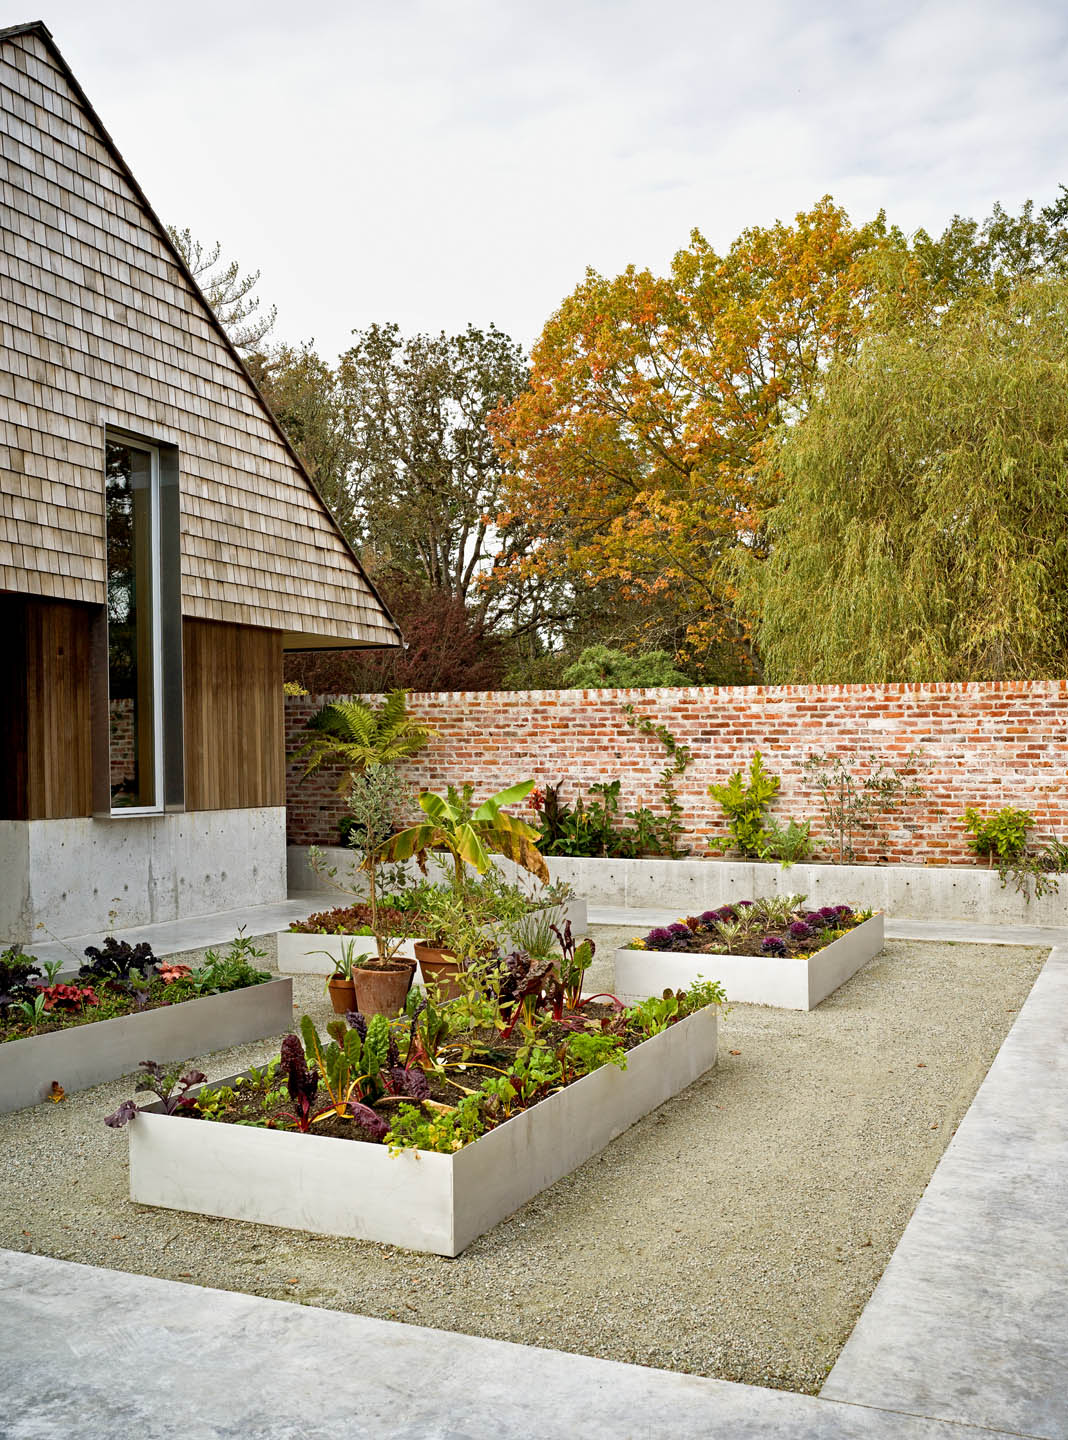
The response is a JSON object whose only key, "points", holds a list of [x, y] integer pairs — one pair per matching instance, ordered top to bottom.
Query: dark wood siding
{"points": [[234, 717], [45, 730]]}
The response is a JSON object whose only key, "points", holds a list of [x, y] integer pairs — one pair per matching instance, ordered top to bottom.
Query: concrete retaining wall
{"points": [[81, 876]]}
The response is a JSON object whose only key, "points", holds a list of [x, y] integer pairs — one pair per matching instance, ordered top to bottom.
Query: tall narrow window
{"points": [[135, 657]]}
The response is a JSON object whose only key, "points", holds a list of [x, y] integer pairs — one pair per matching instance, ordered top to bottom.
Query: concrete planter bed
{"points": [[922, 892], [303, 954], [791, 983], [84, 1055], [417, 1199]]}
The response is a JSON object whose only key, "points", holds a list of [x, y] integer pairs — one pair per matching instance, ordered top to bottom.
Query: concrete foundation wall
{"points": [[76, 877]]}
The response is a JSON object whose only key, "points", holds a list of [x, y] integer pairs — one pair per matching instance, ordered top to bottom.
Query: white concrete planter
{"points": [[921, 892], [301, 954], [316, 954], [791, 984], [85, 1055], [417, 1199]]}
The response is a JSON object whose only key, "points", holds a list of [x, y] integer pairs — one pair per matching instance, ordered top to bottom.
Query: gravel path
{"points": [[736, 1232]]}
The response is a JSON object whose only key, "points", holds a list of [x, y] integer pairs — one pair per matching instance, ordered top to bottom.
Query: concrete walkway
{"points": [[171, 937], [970, 1319], [966, 1334], [102, 1355]]}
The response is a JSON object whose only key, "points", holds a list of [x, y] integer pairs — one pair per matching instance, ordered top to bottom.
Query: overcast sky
{"points": [[436, 162]]}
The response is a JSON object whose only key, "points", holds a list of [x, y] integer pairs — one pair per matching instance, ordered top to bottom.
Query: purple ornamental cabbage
{"points": [[726, 912], [709, 917], [800, 930], [680, 931], [657, 940], [773, 945]]}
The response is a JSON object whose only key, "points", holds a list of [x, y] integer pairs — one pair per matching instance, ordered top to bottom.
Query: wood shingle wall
{"points": [[100, 327]]}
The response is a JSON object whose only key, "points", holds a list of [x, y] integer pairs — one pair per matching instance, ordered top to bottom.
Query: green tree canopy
{"points": [[923, 530], [599, 667]]}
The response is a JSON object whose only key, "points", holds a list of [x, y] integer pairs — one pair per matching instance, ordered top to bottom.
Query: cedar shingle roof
{"points": [[103, 325]]}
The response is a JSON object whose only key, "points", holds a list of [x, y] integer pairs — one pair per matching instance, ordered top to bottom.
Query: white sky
{"points": [[439, 161]]}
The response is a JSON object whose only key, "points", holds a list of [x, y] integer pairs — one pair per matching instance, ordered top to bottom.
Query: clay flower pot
{"points": [[440, 970], [382, 987], [342, 994]]}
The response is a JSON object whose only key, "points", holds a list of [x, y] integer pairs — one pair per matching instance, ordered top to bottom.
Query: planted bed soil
{"points": [[736, 1232]]}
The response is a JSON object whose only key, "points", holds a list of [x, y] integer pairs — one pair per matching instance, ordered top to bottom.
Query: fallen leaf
{"points": [[736, 1052], [921, 1064], [56, 1092], [934, 1125], [25, 1232], [118, 1237], [185, 1274], [294, 1281]]}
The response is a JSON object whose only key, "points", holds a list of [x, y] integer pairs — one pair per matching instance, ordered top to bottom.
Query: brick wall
{"points": [[986, 745], [123, 757]]}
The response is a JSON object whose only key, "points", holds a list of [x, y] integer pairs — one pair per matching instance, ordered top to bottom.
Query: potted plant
{"points": [[469, 834], [341, 985]]}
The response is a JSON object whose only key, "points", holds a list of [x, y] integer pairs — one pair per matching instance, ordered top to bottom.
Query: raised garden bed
{"points": [[303, 954], [796, 982], [84, 1055], [417, 1199]]}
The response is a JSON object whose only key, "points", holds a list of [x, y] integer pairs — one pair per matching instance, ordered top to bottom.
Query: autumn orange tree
{"points": [[636, 456]]}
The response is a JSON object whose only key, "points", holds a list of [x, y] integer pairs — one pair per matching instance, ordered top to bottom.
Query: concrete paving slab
{"points": [[193, 933], [974, 934], [969, 1322], [124, 1355]]}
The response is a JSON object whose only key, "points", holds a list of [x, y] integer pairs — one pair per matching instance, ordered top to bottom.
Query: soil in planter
{"points": [[111, 1005], [490, 1055]]}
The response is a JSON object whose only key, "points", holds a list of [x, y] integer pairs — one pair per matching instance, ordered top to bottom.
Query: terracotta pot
{"points": [[440, 970], [383, 992], [342, 994]]}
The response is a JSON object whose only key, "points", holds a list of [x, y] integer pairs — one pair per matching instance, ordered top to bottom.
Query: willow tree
{"points": [[923, 530]]}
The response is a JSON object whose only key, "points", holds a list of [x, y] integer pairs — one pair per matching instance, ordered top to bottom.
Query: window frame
{"points": [[168, 719]]}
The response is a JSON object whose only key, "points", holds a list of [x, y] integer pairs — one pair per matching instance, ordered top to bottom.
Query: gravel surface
{"points": [[736, 1232]]}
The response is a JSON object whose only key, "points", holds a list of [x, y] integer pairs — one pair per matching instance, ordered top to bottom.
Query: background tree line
{"points": [[833, 453]]}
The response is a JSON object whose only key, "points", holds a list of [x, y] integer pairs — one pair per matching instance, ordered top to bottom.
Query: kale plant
{"points": [[116, 961], [17, 974], [171, 1086]]}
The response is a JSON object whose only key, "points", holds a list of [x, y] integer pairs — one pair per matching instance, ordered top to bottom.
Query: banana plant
{"points": [[471, 834]]}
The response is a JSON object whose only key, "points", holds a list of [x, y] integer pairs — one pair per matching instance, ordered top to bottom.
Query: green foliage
{"points": [[922, 533], [599, 667], [354, 734], [857, 792], [744, 802], [668, 828], [1001, 835], [790, 844], [233, 971], [701, 994], [656, 1013], [588, 1050], [440, 1130]]}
